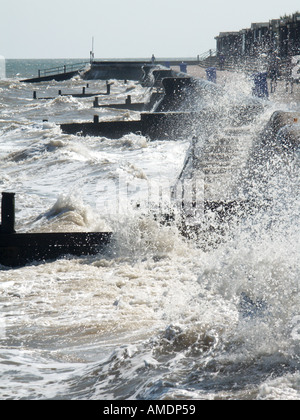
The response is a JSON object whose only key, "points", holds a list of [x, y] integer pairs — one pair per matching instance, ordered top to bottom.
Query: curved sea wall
{"points": [[115, 70]]}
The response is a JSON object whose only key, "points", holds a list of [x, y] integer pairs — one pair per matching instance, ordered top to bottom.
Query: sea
{"points": [[158, 315]]}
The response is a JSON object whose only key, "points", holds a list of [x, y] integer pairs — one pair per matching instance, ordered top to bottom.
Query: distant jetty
{"points": [[104, 70], [61, 73]]}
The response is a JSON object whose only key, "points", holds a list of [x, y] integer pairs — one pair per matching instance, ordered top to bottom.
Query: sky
{"points": [[126, 28]]}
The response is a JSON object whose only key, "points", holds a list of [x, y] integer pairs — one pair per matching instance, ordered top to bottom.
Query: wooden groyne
{"points": [[84, 93], [138, 106], [167, 120], [153, 125], [19, 249]]}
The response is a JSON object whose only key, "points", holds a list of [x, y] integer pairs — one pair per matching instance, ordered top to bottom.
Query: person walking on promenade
{"points": [[221, 61], [273, 72], [289, 82]]}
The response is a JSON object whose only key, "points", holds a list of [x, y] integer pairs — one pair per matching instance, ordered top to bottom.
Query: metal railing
{"points": [[207, 54], [234, 63], [63, 69]]}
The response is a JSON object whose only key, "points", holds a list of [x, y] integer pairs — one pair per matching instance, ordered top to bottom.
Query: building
{"points": [[280, 36]]}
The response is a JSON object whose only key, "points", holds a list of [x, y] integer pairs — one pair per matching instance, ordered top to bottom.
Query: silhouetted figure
{"points": [[221, 61], [273, 72], [289, 81]]}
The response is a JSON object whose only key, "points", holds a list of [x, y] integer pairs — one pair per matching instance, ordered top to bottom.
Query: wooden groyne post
{"points": [[8, 213]]}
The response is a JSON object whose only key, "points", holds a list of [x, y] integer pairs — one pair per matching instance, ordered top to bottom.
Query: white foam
{"points": [[156, 315]]}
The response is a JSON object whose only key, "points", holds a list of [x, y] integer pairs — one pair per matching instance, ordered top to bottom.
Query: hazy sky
{"points": [[126, 28]]}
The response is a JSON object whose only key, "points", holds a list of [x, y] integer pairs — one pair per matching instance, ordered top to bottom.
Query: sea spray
{"points": [[156, 316]]}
